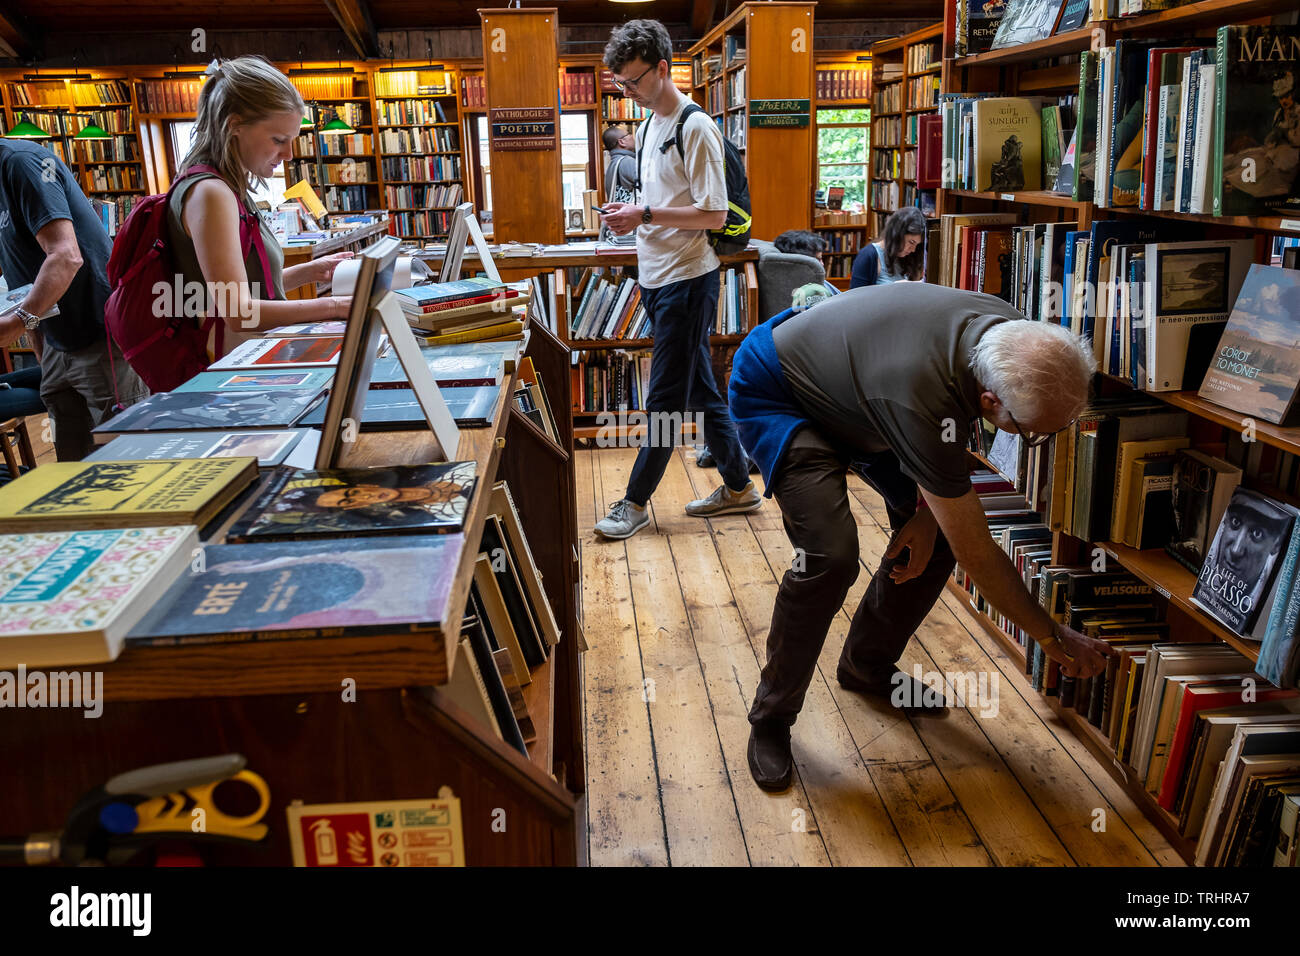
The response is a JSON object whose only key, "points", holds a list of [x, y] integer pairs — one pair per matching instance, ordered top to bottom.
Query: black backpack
{"points": [[733, 237]]}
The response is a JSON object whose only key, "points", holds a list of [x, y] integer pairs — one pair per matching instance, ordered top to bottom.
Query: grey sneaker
{"points": [[724, 501], [624, 520]]}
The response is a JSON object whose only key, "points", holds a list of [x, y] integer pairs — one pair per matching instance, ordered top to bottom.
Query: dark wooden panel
{"points": [[522, 66]]}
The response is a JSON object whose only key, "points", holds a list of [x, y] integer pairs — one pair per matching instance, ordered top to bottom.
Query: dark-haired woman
{"points": [[899, 253]]}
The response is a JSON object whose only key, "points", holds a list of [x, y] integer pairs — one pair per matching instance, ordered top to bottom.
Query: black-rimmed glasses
{"points": [[626, 85], [1032, 439]]}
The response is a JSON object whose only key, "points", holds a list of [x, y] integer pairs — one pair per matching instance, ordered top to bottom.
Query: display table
{"points": [[354, 241], [281, 703]]}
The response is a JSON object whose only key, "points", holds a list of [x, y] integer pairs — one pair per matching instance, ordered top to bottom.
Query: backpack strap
{"points": [[690, 108], [250, 227]]}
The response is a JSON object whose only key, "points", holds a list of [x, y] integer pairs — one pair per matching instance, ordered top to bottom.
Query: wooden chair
{"points": [[13, 436]]}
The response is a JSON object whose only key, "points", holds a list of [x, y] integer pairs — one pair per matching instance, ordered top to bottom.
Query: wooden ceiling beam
{"points": [[702, 16], [353, 17], [17, 37]]}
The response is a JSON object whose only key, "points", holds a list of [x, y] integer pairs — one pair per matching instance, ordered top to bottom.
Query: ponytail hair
{"points": [[250, 88]]}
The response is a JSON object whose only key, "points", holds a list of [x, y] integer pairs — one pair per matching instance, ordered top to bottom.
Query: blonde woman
{"points": [[249, 114]]}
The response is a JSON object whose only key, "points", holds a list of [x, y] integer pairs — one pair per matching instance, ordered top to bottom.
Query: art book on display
{"points": [[328, 327], [278, 351], [1256, 368], [450, 369], [278, 380], [236, 408], [389, 409], [269, 447], [74, 495], [397, 500], [1237, 575], [294, 589], [69, 597]]}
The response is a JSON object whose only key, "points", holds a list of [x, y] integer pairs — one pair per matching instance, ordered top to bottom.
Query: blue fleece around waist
{"points": [[762, 405]]}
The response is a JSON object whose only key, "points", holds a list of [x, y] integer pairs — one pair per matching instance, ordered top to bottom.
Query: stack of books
{"points": [[466, 310]]}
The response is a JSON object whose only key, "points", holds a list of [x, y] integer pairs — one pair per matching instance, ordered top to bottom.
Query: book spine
{"points": [[1220, 105], [1204, 134], [1187, 148]]}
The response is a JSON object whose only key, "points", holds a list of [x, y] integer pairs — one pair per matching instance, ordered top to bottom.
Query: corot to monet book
{"points": [[118, 494], [401, 499], [298, 589], [69, 597]]}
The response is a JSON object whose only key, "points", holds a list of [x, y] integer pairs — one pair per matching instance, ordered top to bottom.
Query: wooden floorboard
{"points": [[687, 603]]}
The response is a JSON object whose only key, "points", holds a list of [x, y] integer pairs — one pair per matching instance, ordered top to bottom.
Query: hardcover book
{"points": [[1026, 21], [1008, 145], [1256, 159], [420, 296], [279, 351], [1256, 368], [450, 369], [269, 380], [237, 408], [397, 408], [269, 447], [1202, 487], [74, 495], [402, 499], [1238, 572], [297, 589], [70, 597]]}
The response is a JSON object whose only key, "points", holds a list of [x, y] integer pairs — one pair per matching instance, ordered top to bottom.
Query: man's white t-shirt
{"points": [[666, 254]]}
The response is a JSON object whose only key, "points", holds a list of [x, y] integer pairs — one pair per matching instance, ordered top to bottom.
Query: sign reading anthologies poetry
{"points": [[777, 113], [523, 128], [388, 833]]}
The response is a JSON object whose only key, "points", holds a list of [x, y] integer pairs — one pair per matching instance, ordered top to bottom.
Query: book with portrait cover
{"points": [[1256, 159], [281, 351], [1256, 368], [270, 380], [237, 408], [269, 447], [75, 495], [402, 499], [1238, 572], [304, 589], [70, 597]]}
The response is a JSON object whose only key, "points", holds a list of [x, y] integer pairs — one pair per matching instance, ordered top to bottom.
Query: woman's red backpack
{"points": [[165, 349]]}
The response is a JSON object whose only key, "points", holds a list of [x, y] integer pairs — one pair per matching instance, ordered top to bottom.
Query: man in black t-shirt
{"points": [[51, 237], [886, 380]]}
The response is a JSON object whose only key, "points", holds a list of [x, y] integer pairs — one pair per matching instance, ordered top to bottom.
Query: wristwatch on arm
{"points": [[645, 215], [29, 320]]}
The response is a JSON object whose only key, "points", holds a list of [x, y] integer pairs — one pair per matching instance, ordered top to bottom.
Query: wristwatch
{"points": [[646, 217], [29, 320]]}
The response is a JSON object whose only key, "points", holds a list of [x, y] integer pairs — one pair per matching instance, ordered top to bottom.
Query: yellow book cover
{"points": [[1008, 145], [302, 191], [505, 331], [119, 494]]}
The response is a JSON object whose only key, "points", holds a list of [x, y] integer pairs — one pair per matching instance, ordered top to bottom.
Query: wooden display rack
{"points": [[1028, 68], [279, 703]]}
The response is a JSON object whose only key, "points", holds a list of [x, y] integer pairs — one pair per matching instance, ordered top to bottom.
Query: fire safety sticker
{"points": [[385, 833]]}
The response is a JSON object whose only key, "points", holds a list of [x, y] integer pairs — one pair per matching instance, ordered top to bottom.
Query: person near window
{"points": [[249, 114], [620, 174], [684, 194], [52, 238], [899, 253]]}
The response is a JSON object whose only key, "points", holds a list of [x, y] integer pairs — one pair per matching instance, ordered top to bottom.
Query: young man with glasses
{"points": [[683, 195], [887, 379]]}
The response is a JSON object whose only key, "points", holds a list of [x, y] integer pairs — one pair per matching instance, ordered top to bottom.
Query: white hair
{"points": [[1033, 367]]}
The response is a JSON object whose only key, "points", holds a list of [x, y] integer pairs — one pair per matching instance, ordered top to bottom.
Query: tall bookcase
{"points": [[1050, 66], [753, 73], [906, 75], [843, 86], [418, 141], [345, 176]]}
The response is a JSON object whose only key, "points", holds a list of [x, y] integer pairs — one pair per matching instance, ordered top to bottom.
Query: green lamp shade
{"points": [[307, 123], [337, 126], [26, 130], [91, 131]]}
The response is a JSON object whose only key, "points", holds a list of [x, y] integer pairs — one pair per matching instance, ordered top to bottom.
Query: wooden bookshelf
{"points": [[1031, 68], [772, 72], [905, 75], [843, 82], [1091, 737]]}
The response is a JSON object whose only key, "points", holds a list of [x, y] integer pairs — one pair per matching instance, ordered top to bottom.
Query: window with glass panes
{"points": [[843, 138]]}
